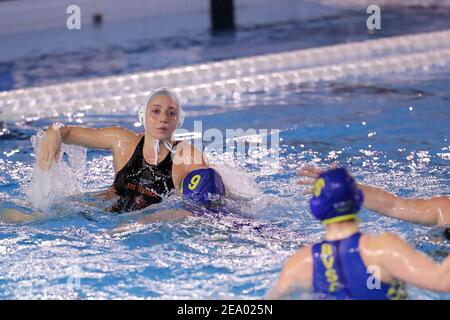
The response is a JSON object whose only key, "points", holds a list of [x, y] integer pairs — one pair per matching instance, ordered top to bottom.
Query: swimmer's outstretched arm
{"points": [[115, 139], [434, 211], [166, 215], [14, 216], [160, 216], [405, 263], [297, 273]]}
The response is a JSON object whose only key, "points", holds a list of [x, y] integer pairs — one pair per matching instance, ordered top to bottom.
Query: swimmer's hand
{"points": [[50, 148], [309, 174]]}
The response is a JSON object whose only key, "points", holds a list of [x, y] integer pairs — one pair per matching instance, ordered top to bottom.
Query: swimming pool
{"points": [[390, 130]]}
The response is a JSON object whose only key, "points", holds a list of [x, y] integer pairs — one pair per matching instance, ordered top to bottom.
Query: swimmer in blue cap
{"points": [[204, 187], [203, 191], [204, 196], [433, 211], [350, 265]]}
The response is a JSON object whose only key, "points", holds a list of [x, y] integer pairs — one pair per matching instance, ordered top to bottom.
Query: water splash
{"points": [[64, 178], [247, 187]]}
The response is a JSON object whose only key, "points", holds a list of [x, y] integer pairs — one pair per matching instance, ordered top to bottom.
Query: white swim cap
{"points": [[161, 92]]}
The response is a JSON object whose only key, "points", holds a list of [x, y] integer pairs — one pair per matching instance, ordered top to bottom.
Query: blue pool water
{"points": [[391, 131]]}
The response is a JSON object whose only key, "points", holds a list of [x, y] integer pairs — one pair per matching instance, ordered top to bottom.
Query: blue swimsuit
{"points": [[340, 273]]}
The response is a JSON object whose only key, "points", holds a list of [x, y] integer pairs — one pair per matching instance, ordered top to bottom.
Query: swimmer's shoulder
{"points": [[124, 132], [123, 137], [124, 142], [188, 154], [186, 159], [377, 241], [369, 243], [374, 247], [375, 250], [301, 255], [300, 262], [300, 267], [297, 273]]}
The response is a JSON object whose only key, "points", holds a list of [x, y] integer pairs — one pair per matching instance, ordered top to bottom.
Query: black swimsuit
{"points": [[140, 184]]}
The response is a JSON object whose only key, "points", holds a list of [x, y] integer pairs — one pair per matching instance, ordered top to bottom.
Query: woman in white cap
{"points": [[147, 165]]}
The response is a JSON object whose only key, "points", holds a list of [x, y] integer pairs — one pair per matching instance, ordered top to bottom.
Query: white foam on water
{"points": [[64, 178], [239, 184], [242, 191]]}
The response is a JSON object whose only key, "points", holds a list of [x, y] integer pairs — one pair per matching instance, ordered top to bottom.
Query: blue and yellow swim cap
{"points": [[202, 185], [336, 197]]}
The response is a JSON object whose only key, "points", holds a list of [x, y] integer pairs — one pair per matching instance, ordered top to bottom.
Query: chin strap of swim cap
{"points": [[156, 148]]}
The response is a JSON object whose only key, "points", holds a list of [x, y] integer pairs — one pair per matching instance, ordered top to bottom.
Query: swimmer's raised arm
{"points": [[96, 138], [112, 138], [434, 211], [405, 263], [297, 273]]}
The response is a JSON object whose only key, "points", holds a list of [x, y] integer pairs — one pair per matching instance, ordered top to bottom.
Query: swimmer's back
{"points": [[373, 250], [352, 268]]}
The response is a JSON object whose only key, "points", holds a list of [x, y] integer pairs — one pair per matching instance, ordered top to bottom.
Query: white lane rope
{"points": [[124, 93]]}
